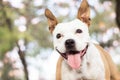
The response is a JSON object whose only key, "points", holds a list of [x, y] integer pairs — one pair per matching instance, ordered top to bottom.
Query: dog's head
{"points": [[71, 39]]}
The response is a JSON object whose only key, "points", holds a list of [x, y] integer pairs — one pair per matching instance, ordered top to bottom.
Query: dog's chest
{"points": [[92, 68]]}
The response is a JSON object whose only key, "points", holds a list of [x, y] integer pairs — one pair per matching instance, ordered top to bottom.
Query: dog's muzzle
{"points": [[71, 49], [73, 56]]}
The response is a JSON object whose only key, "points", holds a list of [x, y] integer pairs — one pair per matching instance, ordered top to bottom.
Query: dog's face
{"points": [[71, 39]]}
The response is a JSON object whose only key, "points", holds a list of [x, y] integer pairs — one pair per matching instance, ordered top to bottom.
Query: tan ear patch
{"points": [[84, 12], [52, 21]]}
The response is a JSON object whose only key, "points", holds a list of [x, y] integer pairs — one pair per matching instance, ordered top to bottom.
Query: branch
{"points": [[22, 58]]}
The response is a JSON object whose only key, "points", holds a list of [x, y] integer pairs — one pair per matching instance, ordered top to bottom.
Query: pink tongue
{"points": [[74, 61]]}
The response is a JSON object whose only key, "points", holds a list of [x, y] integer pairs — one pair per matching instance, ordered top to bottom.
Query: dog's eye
{"points": [[78, 31], [58, 35]]}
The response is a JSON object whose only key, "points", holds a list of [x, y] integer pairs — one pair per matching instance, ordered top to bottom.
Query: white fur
{"points": [[68, 32], [95, 70]]}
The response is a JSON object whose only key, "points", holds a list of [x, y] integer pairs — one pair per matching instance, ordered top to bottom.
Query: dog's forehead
{"points": [[70, 26]]}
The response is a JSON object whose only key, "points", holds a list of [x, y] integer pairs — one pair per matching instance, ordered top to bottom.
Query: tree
{"points": [[118, 13]]}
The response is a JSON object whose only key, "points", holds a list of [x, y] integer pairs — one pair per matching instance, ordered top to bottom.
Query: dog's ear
{"points": [[84, 12], [52, 21]]}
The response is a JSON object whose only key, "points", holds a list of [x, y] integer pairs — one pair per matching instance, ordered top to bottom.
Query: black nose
{"points": [[69, 43]]}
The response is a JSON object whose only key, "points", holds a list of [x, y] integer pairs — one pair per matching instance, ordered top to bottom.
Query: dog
{"points": [[81, 59]]}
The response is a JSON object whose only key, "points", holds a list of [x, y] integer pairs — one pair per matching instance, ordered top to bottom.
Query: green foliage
{"points": [[100, 22], [40, 33], [7, 40], [119, 67]]}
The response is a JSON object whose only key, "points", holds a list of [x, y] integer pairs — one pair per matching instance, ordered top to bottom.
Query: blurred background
{"points": [[26, 50]]}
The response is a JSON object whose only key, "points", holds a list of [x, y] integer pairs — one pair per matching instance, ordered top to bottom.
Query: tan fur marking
{"points": [[84, 12], [52, 21], [58, 69], [107, 70], [114, 74]]}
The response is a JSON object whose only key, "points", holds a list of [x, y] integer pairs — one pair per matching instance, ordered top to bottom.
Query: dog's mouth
{"points": [[73, 57]]}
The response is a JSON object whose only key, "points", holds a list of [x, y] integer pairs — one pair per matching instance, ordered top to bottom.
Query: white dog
{"points": [[81, 58]]}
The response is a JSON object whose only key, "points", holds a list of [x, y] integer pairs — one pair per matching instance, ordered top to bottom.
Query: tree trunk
{"points": [[118, 13], [22, 58]]}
